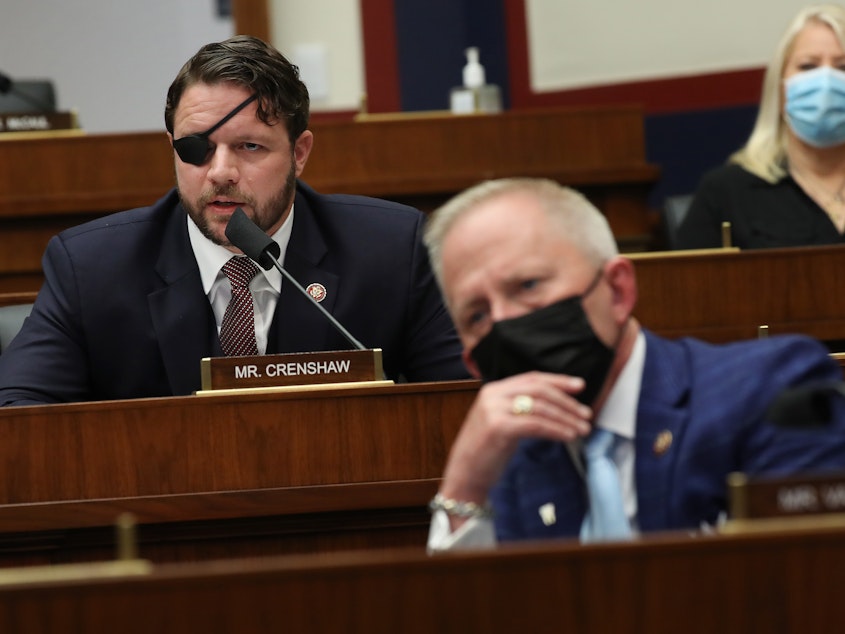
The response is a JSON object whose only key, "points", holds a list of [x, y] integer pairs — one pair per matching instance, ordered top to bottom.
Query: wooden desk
{"points": [[425, 160], [50, 184], [47, 185], [724, 296], [15, 299], [224, 476], [784, 583]]}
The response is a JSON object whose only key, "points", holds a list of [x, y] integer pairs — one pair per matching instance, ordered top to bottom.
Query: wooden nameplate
{"points": [[37, 122], [302, 368], [764, 504]]}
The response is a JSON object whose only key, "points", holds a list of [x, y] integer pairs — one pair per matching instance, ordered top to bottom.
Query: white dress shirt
{"points": [[265, 287], [618, 415]]}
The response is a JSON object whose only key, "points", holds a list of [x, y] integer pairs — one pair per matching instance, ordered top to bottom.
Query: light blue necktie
{"points": [[606, 519]]}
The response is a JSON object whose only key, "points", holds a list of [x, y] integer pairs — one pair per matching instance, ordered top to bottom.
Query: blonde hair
{"points": [[764, 154], [579, 222]]}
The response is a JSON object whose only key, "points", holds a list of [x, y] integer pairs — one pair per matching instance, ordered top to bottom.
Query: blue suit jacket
{"points": [[122, 313], [713, 400]]}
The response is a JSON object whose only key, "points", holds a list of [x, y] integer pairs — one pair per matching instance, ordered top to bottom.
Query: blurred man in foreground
{"points": [[543, 305]]}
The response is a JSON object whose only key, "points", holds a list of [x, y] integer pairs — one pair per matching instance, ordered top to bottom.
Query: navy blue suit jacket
{"points": [[122, 312], [712, 399]]}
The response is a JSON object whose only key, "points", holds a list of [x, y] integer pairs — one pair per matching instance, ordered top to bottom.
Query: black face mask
{"points": [[557, 338]]}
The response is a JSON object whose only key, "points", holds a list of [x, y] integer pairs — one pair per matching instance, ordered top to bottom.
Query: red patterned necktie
{"points": [[237, 332]]}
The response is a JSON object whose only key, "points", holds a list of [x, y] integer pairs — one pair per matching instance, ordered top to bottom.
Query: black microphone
{"points": [[7, 86], [258, 246], [805, 406]]}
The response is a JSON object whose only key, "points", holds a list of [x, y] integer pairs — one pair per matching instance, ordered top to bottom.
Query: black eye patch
{"points": [[196, 148]]}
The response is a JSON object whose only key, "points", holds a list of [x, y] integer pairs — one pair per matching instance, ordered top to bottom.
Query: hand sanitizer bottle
{"points": [[476, 95]]}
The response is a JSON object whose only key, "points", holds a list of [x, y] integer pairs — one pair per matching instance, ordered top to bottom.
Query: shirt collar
{"points": [[211, 257], [619, 413]]}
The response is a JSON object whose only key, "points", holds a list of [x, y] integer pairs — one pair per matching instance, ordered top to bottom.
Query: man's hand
{"points": [[500, 416]]}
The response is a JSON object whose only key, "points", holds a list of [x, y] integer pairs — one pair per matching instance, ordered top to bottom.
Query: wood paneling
{"points": [[252, 17], [419, 154], [82, 175], [49, 184], [726, 295], [723, 296], [14, 299], [222, 475], [789, 583]]}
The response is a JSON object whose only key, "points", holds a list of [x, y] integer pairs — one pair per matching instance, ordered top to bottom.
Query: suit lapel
{"points": [[181, 315], [298, 326], [661, 417], [548, 480]]}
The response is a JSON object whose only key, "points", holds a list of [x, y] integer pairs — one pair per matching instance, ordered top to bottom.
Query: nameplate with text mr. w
{"points": [[780, 502]]}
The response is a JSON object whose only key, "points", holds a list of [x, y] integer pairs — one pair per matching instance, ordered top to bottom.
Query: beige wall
{"points": [[324, 38], [583, 42], [572, 43], [111, 60]]}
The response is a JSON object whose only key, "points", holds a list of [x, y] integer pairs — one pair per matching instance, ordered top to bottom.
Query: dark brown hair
{"points": [[250, 62]]}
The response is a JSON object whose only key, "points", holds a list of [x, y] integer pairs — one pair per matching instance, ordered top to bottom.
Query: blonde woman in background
{"points": [[786, 187]]}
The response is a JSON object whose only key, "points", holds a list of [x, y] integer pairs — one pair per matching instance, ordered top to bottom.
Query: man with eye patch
{"points": [[132, 302], [588, 426]]}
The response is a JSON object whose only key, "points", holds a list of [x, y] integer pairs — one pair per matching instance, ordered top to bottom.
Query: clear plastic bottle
{"points": [[476, 95]]}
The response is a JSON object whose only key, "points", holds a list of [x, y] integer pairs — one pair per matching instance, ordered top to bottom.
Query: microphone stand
{"points": [[258, 246]]}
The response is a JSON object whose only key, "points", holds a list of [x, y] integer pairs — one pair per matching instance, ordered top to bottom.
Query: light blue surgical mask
{"points": [[815, 106]]}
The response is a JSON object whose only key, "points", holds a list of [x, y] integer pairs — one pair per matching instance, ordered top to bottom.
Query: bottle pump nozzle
{"points": [[473, 71]]}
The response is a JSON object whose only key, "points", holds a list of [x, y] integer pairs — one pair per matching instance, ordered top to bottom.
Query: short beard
{"points": [[265, 216]]}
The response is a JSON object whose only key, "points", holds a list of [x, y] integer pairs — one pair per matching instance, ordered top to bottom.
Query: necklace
{"points": [[816, 185], [837, 195], [832, 202]]}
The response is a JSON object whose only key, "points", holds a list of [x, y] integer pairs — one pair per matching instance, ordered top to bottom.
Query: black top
{"points": [[762, 215]]}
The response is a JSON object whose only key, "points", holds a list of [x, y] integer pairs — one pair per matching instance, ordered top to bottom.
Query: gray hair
{"points": [[765, 152], [579, 222]]}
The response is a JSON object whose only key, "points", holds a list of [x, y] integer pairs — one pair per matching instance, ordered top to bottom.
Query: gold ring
{"points": [[522, 404]]}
